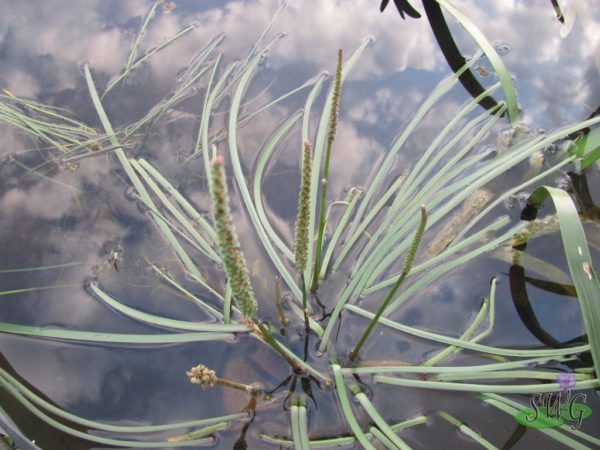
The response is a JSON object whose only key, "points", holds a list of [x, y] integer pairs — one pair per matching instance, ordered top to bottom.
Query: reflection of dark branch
{"points": [[403, 7], [559, 14], [447, 45], [449, 48], [452, 54], [582, 132], [582, 194], [518, 290], [567, 290], [524, 309], [306, 337], [282, 384], [307, 389], [291, 390], [7, 423], [10, 429], [515, 437], [241, 444]]}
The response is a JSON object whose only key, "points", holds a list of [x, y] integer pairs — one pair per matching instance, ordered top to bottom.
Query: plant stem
{"points": [[330, 139], [408, 262], [280, 311], [305, 311], [263, 332], [242, 387]]}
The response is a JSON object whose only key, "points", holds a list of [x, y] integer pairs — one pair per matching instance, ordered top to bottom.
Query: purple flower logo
{"points": [[566, 381]]}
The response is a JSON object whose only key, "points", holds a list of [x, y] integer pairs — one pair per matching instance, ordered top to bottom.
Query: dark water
{"points": [[79, 214]]}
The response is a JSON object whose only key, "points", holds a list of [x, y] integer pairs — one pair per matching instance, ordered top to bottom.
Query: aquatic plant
{"points": [[331, 131], [380, 226], [233, 258]]}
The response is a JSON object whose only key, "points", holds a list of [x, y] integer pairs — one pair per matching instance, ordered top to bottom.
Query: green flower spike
{"points": [[302, 234], [235, 264]]}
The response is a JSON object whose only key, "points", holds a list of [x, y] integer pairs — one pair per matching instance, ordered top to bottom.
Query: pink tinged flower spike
{"points": [[335, 108], [233, 258]]}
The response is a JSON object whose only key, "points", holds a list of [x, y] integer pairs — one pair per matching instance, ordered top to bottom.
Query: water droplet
{"points": [[502, 47]]}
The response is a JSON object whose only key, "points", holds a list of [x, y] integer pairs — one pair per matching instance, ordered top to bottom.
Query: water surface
{"points": [[81, 213]]}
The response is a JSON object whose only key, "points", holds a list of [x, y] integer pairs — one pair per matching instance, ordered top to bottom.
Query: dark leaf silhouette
{"points": [[403, 7]]}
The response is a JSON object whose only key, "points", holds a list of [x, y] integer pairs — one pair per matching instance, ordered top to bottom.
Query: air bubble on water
{"points": [[370, 39], [502, 47], [476, 56], [82, 65], [541, 131], [523, 132], [505, 137], [129, 144], [565, 146], [550, 149], [489, 152], [9, 158], [536, 160], [577, 168], [564, 183], [131, 193], [522, 198], [516, 200], [510, 201], [68, 222], [116, 253], [90, 284], [286, 298], [318, 353], [258, 386], [287, 403]]}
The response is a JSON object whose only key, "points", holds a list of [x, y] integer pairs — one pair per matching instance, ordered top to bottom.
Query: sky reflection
{"points": [[43, 46]]}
